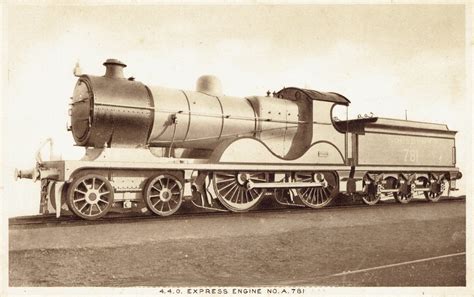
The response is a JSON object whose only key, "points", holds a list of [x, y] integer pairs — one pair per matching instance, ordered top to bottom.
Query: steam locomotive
{"points": [[150, 148]]}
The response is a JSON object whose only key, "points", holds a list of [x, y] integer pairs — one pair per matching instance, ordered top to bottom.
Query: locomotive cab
{"points": [[331, 144]]}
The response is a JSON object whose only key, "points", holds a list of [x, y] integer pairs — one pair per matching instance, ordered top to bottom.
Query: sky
{"points": [[385, 58]]}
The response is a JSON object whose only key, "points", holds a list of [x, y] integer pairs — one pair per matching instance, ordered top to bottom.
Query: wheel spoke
{"points": [[225, 180], [161, 184], [101, 185], [226, 186], [231, 189], [236, 190], [79, 191], [252, 191], [306, 191], [247, 193], [256, 193], [327, 193], [311, 194], [324, 195], [241, 196], [236, 197], [103, 201], [84, 205]]}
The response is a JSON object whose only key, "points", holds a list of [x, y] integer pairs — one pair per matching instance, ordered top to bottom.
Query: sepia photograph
{"points": [[243, 148]]}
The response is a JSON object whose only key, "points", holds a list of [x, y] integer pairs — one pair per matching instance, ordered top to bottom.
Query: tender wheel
{"points": [[423, 182], [231, 189], [437, 190], [405, 193], [163, 194], [371, 194], [90, 197], [317, 197], [371, 198]]}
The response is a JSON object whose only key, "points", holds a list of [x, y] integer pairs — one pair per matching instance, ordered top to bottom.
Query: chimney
{"points": [[114, 68]]}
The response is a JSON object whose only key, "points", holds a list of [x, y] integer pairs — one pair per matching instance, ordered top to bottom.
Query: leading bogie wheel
{"points": [[232, 191], [163, 194], [90, 196], [318, 196]]}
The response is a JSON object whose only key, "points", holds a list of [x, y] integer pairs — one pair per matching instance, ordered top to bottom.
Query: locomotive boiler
{"points": [[111, 111], [150, 148]]}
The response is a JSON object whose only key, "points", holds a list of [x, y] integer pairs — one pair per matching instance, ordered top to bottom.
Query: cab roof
{"points": [[295, 94]]}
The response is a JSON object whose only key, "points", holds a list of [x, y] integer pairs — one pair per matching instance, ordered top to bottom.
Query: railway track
{"points": [[41, 221]]}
